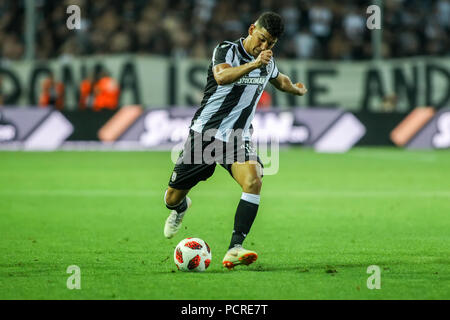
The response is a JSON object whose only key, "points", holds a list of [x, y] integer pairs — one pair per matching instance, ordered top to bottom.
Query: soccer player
{"points": [[237, 76]]}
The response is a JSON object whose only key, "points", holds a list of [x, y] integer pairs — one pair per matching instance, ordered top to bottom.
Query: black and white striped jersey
{"points": [[226, 108]]}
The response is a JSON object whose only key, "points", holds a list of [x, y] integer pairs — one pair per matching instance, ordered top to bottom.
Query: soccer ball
{"points": [[192, 254]]}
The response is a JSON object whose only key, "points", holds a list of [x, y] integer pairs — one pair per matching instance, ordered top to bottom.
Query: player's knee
{"points": [[252, 185]]}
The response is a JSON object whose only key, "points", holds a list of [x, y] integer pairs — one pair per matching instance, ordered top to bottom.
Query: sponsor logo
{"points": [[251, 81], [34, 128], [424, 128], [7, 132], [441, 138]]}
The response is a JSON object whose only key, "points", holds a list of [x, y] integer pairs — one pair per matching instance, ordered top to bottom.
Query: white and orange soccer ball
{"points": [[192, 254]]}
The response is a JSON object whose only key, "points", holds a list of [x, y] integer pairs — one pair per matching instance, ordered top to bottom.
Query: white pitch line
{"points": [[386, 155], [81, 193], [278, 193], [362, 194]]}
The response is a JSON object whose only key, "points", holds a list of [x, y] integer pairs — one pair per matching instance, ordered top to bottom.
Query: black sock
{"points": [[182, 206], [243, 220]]}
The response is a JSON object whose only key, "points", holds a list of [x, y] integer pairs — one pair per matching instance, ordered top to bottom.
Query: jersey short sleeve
{"points": [[223, 53], [275, 71]]}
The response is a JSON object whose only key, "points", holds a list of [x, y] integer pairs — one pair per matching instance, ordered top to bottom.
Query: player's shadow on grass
{"points": [[327, 267], [301, 268]]}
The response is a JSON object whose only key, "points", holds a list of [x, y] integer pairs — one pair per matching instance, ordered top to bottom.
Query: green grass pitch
{"points": [[323, 220]]}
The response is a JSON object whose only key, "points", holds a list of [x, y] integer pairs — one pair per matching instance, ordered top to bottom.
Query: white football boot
{"points": [[173, 222], [238, 255]]}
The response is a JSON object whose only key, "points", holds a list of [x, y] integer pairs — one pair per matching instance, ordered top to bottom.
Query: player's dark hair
{"points": [[272, 22]]}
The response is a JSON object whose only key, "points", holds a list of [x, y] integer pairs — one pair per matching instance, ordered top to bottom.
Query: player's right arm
{"points": [[224, 73]]}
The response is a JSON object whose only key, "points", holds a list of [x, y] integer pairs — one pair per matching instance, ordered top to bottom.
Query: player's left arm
{"points": [[283, 83]]}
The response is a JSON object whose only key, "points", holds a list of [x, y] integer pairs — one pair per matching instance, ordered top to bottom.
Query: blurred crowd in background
{"points": [[317, 29]]}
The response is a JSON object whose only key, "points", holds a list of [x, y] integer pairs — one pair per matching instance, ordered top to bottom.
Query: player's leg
{"points": [[186, 174], [249, 177], [174, 197], [177, 202]]}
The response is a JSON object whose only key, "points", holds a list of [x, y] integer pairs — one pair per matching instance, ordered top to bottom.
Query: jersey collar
{"points": [[242, 50]]}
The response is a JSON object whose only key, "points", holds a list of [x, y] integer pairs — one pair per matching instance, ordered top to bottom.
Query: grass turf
{"points": [[323, 219]]}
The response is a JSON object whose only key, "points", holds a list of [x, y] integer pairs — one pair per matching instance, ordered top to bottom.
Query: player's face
{"points": [[260, 40]]}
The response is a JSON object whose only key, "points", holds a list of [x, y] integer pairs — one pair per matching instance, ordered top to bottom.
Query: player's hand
{"points": [[263, 58], [301, 89]]}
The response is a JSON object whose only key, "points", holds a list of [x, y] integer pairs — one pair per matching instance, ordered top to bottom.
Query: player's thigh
{"points": [[189, 169], [248, 174]]}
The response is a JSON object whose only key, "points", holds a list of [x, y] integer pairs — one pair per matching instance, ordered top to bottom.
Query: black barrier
{"points": [[87, 123], [379, 127]]}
